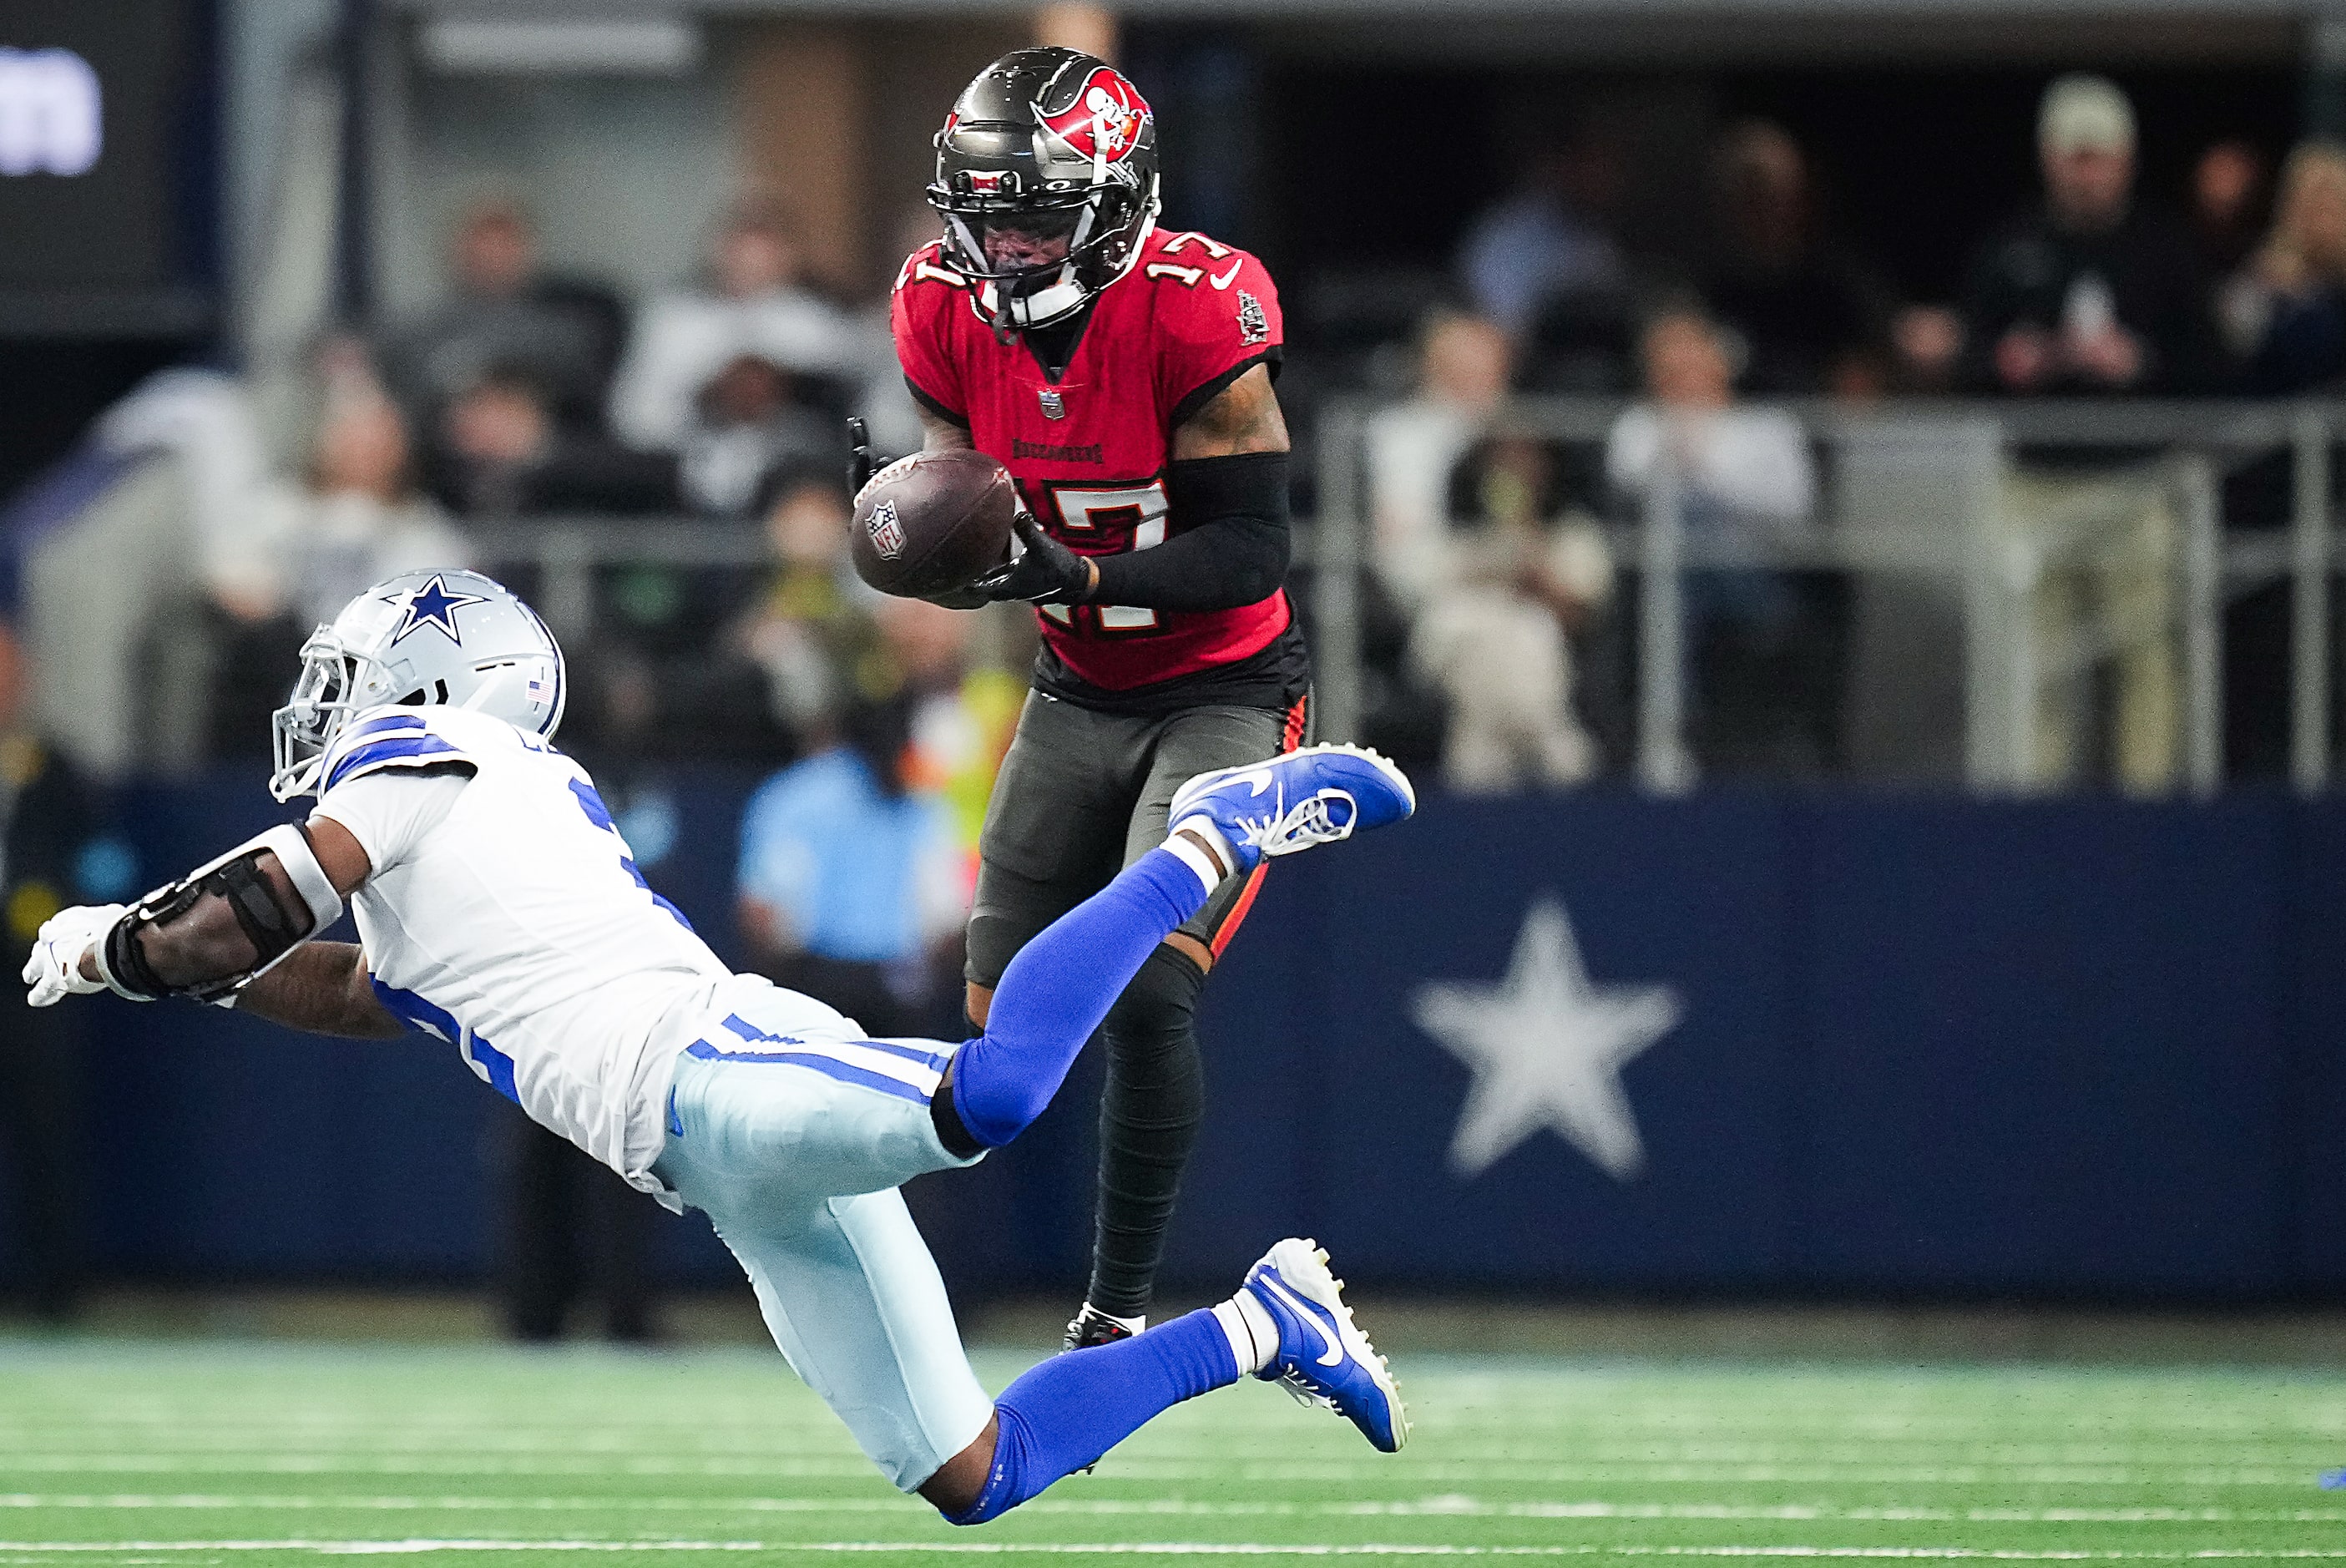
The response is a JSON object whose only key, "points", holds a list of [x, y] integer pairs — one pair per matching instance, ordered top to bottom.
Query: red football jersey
{"points": [[1089, 449]]}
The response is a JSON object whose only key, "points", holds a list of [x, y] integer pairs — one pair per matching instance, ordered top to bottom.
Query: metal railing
{"points": [[2180, 450], [2174, 454], [565, 553]]}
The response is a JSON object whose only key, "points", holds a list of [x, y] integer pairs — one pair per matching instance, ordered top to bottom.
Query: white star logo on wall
{"points": [[1546, 1045]]}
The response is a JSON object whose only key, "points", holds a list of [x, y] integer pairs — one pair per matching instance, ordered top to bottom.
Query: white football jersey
{"points": [[505, 915]]}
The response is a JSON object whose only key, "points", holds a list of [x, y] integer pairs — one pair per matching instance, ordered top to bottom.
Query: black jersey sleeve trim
{"points": [[1199, 397], [933, 406]]}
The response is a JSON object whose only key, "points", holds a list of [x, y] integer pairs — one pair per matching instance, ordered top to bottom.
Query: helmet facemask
{"points": [[1101, 228], [336, 681]]}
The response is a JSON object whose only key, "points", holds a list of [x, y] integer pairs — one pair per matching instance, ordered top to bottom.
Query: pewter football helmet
{"points": [[1057, 145], [422, 639]]}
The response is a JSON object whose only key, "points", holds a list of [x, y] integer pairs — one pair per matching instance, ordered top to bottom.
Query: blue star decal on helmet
{"points": [[433, 606]]}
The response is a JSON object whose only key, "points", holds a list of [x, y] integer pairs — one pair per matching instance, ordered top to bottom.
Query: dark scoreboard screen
{"points": [[99, 147]]}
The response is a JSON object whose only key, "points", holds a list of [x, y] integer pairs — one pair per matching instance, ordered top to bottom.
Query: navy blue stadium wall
{"points": [[1740, 1044]]}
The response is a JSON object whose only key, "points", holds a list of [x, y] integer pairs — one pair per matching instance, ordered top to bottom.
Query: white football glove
{"points": [[54, 971]]}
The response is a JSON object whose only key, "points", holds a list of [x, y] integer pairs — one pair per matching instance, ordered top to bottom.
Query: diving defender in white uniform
{"points": [[499, 909]]}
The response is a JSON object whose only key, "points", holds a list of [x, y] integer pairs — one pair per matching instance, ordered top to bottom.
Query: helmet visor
{"points": [[1031, 239], [1024, 245]]}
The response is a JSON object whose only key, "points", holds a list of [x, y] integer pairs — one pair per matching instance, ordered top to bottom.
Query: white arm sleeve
{"points": [[390, 813]]}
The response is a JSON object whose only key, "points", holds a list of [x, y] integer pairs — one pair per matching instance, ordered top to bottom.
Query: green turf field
{"points": [[186, 1453]]}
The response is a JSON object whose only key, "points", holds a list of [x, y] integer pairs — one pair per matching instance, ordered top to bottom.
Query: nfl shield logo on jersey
{"points": [[1054, 406], [887, 533]]}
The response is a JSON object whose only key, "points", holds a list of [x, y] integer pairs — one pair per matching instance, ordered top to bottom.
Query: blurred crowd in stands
{"points": [[525, 395], [1499, 626], [1496, 642]]}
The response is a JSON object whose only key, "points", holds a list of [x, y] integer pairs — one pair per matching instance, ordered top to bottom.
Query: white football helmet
{"points": [[429, 638]]}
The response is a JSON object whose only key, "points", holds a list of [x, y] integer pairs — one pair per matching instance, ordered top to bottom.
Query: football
{"points": [[928, 526]]}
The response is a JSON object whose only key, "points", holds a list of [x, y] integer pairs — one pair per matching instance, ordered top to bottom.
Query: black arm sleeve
{"points": [[1233, 548]]}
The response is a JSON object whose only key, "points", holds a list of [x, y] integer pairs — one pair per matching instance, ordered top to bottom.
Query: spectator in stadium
{"points": [[2228, 218], [1548, 240], [2092, 291], [2295, 294], [757, 305], [1813, 316], [563, 334], [1465, 364], [882, 399], [745, 426], [495, 436], [501, 452], [1746, 485], [354, 518], [299, 547], [811, 623], [1494, 638], [50, 853], [853, 886]]}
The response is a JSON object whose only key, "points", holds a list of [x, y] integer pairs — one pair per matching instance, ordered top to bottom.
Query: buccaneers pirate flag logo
{"points": [[1102, 124]]}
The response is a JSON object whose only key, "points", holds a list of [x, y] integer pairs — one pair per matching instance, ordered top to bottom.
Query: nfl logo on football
{"points": [[887, 534]]}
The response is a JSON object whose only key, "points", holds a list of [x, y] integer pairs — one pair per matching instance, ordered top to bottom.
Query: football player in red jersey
{"points": [[1123, 376]]}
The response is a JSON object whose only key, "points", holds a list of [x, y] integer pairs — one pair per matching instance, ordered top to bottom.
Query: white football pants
{"points": [[794, 1145]]}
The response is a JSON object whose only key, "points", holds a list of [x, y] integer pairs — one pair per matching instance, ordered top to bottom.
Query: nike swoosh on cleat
{"points": [[1224, 281], [1335, 1353]]}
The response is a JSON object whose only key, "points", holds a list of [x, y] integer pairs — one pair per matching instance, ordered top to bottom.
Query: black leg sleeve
{"points": [[1149, 1124], [40, 1137], [620, 1250], [537, 1276]]}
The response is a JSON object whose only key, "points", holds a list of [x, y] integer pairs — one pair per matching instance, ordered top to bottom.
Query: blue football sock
{"points": [[1059, 987], [1067, 1412]]}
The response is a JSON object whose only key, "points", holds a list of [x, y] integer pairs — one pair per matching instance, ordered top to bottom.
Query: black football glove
{"points": [[859, 457], [1044, 572]]}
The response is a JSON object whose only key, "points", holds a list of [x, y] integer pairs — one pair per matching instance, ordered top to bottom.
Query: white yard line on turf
{"points": [[1339, 1472], [1450, 1506], [1165, 1549]]}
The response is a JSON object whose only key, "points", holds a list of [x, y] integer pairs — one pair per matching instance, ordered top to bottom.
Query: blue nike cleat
{"points": [[1291, 802], [1323, 1357]]}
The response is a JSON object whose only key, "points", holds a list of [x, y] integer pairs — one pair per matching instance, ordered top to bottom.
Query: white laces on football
{"points": [[1304, 824]]}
